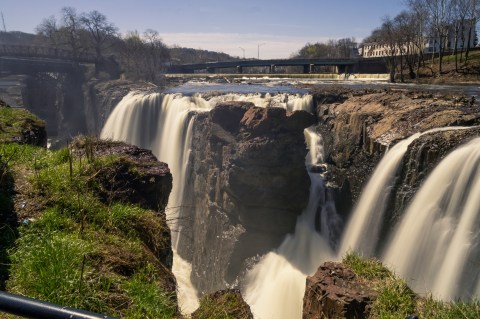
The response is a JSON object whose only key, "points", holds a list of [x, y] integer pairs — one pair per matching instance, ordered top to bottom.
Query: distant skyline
{"points": [[273, 28]]}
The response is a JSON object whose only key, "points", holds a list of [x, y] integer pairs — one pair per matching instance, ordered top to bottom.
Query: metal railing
{"points": [[36, 309]]}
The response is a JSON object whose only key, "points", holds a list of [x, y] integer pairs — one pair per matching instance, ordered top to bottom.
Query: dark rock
{"points": [[228, 115], [357, 127], [134, 176], [249, 184], [335, 292]]}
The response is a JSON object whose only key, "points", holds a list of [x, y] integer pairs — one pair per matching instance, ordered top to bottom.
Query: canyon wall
{"points": [[358, 126], [247, 187]]}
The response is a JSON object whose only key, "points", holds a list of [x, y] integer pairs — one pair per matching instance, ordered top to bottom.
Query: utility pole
{"points": [[3, 22], [258, 50], [243, 52]]}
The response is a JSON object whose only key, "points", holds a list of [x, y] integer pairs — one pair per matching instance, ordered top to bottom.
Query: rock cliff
{"points": [[358, 126], [249, 184]]}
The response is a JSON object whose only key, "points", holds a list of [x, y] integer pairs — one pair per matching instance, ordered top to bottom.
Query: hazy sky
{"points": [[280, 27]]}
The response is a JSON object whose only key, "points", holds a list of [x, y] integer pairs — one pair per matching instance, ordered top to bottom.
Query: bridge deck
{"points": [[259, 63]]}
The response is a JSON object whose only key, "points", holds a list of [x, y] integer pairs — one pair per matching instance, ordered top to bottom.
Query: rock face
{"points": [[58, 101], [358, 125], [21, 126], [135, 176], [249, 185], [335, 292]]}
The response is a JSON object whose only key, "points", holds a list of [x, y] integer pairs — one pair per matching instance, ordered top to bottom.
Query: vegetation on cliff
{"points": [[21, 126], [73, 247], [395, 300], [225, 304]]}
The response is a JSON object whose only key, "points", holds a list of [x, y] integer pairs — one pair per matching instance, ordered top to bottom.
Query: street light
{"points": [[258, 50], [243, 52]]}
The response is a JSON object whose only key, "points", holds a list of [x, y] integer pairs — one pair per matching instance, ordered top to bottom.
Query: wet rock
{"points": [[358, 126], [248, 186], [334, 292]]}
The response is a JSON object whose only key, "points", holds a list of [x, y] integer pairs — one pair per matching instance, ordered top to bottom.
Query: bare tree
{"points": [[474, 12], [441, 19], [49, 30], [71, 31], [100, 31], [156, 52]]}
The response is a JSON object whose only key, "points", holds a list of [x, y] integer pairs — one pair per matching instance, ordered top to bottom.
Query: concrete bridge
{"points": [[339, 65]]}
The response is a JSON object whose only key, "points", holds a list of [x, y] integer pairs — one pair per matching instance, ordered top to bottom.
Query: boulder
{"points": [[134, 175], [335, 292]]}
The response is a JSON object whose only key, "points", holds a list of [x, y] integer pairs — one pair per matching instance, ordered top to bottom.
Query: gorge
{"points": [[241, 184]]}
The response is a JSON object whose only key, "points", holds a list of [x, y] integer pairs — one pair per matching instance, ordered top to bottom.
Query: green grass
{"points": [[13, 122], [77, 249], [148, 300], [396, 300], [222, 305]]}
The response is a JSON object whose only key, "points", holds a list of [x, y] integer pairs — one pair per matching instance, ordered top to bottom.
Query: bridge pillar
{"points": [[272, 68], [306, 68], [311, 68], [239, 69], [340, 69]]}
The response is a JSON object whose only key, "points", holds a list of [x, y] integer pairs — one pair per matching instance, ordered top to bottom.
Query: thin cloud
{"points": [[270, 46]]}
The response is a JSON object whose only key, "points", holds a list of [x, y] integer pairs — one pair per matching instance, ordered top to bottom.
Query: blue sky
{"points": [[280, 27]]}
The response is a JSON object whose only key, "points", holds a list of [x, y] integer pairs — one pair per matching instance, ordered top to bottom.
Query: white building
{"points": [[431, 45]]}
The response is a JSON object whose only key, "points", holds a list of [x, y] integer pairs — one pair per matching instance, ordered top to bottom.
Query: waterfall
{"points": [[163, 123], [363, 230], [361, 234], [436, 245], [276, 284]]}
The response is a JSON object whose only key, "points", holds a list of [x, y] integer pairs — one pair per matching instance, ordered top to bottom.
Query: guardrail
{"points": [[36, 309]]}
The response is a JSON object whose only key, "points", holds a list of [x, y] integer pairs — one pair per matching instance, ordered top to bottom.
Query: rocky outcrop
{"points": [[359, 125], [21, 126], [422, 156], [134, 174], [249, 185], [335, 292], [223, 304]]}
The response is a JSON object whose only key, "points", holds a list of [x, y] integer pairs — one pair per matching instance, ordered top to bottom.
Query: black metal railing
{"points": [[36, 309]]}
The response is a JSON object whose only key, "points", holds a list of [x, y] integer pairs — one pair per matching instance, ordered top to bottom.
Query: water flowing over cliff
{"points": [[166, 124], [250, 208], [436, 243], [275, 286]]}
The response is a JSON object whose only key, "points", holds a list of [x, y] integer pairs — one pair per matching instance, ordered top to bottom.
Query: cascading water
{"points": [[163, 124], [363, 230], [436, 245], [275, 286]]}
